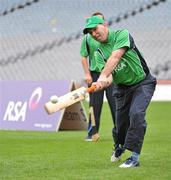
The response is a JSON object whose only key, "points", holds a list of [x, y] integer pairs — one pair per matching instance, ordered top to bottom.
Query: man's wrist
{"points": [[102, 77]]}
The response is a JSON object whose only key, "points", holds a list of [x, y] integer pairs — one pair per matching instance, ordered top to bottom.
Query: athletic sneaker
{"points": [[88, 138], [93, 138], [116, 155], [129, 163]]}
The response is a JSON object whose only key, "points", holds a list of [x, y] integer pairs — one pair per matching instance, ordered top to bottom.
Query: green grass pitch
{"points": [[66, 156]]}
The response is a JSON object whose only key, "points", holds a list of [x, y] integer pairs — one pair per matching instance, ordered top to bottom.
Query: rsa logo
{"points": [[16, 111]]}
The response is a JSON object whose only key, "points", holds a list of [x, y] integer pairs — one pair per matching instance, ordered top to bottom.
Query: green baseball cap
{"points": [[92, 22]]}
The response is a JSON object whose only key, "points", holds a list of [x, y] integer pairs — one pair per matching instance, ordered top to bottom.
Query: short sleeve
{"points": [[121, 39], [83, 49]]}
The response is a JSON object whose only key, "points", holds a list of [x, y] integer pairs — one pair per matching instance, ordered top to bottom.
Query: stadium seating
{"points": [[42, 41]]}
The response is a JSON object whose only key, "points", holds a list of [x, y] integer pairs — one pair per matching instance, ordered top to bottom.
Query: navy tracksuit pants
{"points": [[96, 101], [131, 104]]}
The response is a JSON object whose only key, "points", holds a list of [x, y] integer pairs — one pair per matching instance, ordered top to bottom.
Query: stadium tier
{"points": [[40, 39]]}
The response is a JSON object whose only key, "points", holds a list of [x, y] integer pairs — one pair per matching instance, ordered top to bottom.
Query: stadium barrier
{"points": [[163, 91]]}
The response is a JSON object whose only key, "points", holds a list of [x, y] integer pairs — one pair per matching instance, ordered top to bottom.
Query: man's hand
{"points": [[88, 78], [103, 82]]}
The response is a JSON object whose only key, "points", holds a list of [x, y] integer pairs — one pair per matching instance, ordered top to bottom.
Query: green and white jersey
{"points": [[93, 46], [132, 67]]}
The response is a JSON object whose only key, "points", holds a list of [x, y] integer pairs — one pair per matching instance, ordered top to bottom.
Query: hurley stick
{"points": [[95, 135]]}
